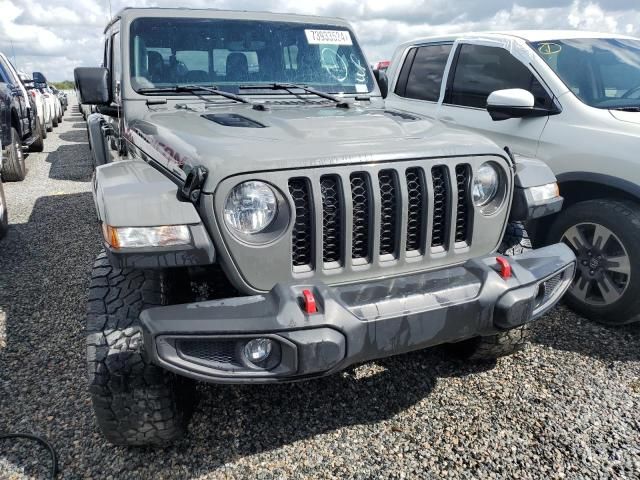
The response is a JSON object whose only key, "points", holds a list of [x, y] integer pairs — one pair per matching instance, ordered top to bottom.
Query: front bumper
{"points": [[356, 322]]}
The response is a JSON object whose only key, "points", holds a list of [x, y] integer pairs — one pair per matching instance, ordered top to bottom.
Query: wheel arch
{"points": [[15, 121], [578, 187]]}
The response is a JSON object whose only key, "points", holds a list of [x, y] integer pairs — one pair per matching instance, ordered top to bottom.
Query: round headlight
{"points": [[486, 182], [250, 207]]}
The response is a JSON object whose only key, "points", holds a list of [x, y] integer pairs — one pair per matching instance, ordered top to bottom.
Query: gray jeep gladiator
{"points": [[267, 219]]}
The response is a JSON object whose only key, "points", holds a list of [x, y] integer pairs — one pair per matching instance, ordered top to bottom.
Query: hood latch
{"points": [[193, 184]]}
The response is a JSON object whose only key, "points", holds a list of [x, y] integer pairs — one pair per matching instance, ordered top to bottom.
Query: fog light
{"points": [[258, 350]]}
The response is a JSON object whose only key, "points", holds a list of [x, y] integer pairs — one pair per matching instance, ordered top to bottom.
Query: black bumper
{"points": [[354, 323]]}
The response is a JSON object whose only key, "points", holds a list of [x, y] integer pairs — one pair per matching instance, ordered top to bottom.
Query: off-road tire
{"points": [[38, 144], [14, 168], [4, 216], [623, 219], [516, 241], [492, 347], [136, 403]]}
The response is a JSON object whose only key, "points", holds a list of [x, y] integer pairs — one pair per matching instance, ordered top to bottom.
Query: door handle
{"points": [[448, 119]]}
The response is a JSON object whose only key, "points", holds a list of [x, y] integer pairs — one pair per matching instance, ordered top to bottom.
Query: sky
{"points": [[55, 36]]}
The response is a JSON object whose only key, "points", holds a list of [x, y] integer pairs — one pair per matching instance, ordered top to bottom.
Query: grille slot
{"points": [[360, 198], [440, 206], [415, 208], [462, 209], [388, 211], [406, 214], [331, 219], [301, 239], [219, 353]]}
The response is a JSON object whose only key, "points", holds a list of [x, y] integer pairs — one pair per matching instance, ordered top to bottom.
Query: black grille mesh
{"points": [[420, 185], [360, 195], [440, 206], [415, 208], [462, 210], [388, 211], [331, 218], [301, 242], [222, 352]]}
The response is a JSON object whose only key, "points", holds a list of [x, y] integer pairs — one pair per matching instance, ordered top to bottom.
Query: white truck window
{"points": [[481, 70], [425, 72]]}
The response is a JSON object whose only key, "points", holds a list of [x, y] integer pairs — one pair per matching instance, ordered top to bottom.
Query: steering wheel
{"points": [[629, 93]]}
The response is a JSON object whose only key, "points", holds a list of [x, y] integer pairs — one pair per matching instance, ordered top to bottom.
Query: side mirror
{"points": [[383, 82], [93, 85], [513, 103]]}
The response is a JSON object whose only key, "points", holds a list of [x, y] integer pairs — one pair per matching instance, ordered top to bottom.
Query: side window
{"points": [[105, 59], [116, 62], [481, 70], [4, 77], [424, 77]]}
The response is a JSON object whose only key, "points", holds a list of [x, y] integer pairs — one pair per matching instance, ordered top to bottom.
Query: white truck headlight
{"points": [[486, 182], [544, 192], [250, 207], [140, 237]]}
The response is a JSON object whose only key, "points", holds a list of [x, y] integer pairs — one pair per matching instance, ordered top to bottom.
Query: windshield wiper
{"points": [[194, 88], [340, 103]]}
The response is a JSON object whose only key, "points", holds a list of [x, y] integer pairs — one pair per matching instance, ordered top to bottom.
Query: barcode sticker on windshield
{"points": [[328, 37]]}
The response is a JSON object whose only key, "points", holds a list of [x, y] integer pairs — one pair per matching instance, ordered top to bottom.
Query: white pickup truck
{"points": [[571, 99]]}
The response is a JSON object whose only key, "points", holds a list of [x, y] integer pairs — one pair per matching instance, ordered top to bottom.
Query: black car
{"points": [[19, 124]]}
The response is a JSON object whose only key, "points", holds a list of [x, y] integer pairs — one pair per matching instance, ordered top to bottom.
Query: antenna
{"points": [[13, 50]]}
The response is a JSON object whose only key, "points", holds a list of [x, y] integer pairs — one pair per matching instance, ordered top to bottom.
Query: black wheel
{"points": [[54, 121], [50, 126], [44, 131], [38, 145], [14, 168], [4, 216], [604, 236], [515, 242], [135, 402]]}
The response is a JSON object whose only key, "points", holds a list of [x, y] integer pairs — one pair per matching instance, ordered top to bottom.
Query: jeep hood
{"points": [[229, 141]]}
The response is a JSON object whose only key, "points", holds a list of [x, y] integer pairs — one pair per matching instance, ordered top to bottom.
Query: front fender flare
{"points": [[131, 193]]}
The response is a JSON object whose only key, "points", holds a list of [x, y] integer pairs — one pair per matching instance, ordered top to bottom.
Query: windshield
{"points": [[233, 53], [602, 72]]}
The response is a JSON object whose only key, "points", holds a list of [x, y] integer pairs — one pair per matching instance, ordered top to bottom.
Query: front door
{"points": [[476, 72]]}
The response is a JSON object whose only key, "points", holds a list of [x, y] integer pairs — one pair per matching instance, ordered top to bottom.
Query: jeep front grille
{"points": [[390, 198], [364, 219]]}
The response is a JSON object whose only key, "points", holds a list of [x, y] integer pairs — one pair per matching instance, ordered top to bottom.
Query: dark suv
{"points": [[19, 122]]}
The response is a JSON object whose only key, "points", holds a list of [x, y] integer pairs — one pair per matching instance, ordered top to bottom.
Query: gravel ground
{"points": [[566, 407]]}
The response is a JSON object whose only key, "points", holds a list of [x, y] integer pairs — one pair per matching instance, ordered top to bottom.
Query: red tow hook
{"points": [[505, 268], [309, 302]]}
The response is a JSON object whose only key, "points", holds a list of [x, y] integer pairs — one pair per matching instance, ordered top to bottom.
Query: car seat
{"points": [[237, 67]]}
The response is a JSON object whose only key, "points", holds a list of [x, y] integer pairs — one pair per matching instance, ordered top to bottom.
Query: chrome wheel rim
{"points": [[604, 266]]}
